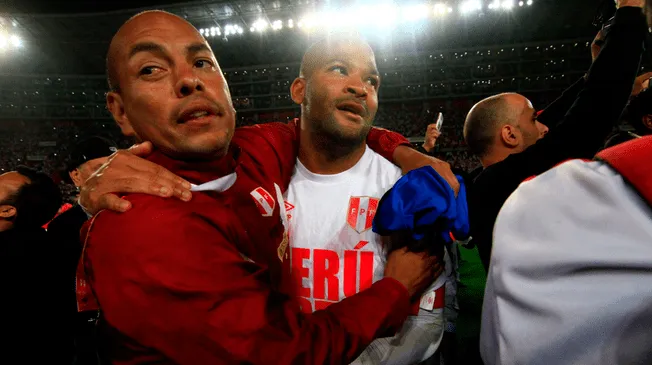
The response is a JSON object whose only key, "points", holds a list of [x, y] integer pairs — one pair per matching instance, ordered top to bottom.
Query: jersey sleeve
{"points": [[384, 142], [271, 146], [568, 268], [178, 286]]}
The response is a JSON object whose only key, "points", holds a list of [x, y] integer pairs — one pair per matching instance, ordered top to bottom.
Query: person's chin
{"points": [[206, 145]]}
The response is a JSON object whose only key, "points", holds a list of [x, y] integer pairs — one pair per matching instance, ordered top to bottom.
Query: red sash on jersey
{"points": [[633, 161]]}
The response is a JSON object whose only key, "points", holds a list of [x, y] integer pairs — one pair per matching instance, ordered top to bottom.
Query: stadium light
{"points": [[495, 5], [470, 6], [442, 9], [415, 13], [385, 15], [381, 17], [308, 22], [259, 25], [232, 29], [3, 41], [15, 41]]}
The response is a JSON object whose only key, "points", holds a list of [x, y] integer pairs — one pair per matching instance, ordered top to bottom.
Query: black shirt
{"points": [[580, 134], [65, 232], [35, 326]]}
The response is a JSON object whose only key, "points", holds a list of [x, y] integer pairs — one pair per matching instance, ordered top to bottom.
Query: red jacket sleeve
{"points": [[384, 142], [275, 146], [171, 281]]}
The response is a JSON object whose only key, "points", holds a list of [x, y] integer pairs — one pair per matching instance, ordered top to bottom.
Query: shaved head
{"points": [[117, 42], [329, 47], [484, 121], [501, 125]]}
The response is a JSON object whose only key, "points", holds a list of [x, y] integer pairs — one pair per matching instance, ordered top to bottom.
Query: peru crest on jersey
{"points": [[361, 212]]}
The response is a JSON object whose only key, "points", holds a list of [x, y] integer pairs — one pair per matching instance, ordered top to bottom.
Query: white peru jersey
{"points": [[335, 254], [570, 279]]}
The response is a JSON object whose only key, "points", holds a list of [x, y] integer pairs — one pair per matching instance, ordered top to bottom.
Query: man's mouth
{"points": [[353, 108], [198, 114]]}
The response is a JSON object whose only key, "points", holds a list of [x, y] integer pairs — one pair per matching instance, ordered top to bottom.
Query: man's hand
{"points": [[635, 3], [597, 44], [642, 83], [431, 137], [409, 159], [128, 172], [414, 270]]}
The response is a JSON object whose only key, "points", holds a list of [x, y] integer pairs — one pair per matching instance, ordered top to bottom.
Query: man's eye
{"points": [[203, 63], [148, 70], [373, 81]]}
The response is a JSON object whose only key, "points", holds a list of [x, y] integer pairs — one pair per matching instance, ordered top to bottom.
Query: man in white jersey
{"points": [[334, 193]]}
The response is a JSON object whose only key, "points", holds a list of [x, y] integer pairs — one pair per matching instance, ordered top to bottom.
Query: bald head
{"points": [[131, 26], [333, 47], [485, 119], [502, 125]]}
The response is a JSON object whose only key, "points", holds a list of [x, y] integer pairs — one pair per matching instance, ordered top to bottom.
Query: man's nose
{"points": [[188, 84], [357, 88], [543, 128]]}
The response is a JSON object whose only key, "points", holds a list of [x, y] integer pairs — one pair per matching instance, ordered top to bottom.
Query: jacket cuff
{"points": [[384, 142], [392, 291]]}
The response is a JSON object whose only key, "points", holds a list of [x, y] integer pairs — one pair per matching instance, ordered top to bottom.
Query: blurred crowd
{"points": [[45, 144]]}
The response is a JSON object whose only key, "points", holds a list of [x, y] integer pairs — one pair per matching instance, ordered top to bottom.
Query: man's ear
{"points": [[298, 90], [116, 107], [509, 135], [75, 176], [7, 211]]}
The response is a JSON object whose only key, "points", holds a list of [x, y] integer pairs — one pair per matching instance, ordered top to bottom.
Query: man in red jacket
{"points": [[201, 282]]}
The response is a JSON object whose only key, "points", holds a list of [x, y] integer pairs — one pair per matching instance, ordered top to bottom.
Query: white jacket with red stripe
{"points": [[570, 279]]}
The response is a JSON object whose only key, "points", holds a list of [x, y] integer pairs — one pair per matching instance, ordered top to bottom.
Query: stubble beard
{"points": [[333, 142]]}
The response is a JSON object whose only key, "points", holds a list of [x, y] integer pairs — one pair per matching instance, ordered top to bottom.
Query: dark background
{"points": [[71, 37]]}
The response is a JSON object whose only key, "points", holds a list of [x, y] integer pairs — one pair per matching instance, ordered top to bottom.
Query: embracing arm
{"points": [[180, 287]]}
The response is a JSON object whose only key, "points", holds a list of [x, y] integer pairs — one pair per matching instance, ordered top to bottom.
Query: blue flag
{"points": [[417, 201]]}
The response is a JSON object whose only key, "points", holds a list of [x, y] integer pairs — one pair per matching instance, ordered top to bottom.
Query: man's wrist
{"points": [[403, 154]]}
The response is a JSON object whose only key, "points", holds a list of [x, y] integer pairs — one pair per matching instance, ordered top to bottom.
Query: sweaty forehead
{"points": [[156, 26], [347, 50]]}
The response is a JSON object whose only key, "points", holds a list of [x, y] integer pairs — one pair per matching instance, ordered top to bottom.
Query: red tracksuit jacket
{"points": [[207, 282]]}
